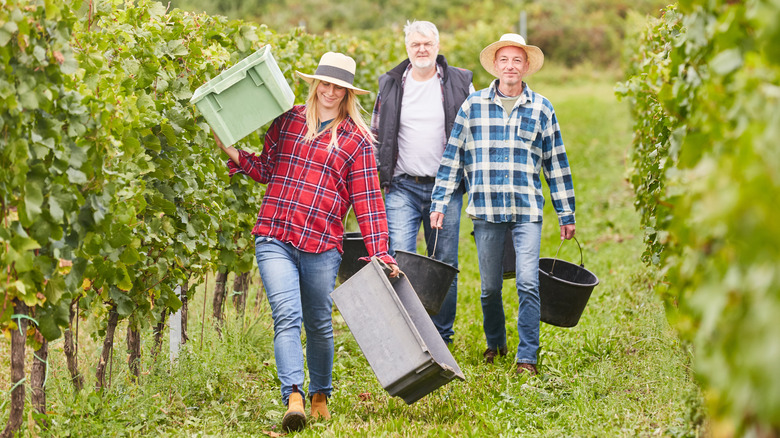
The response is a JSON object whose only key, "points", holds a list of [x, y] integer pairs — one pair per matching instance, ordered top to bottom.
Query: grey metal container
{"points": [[395, 333]]}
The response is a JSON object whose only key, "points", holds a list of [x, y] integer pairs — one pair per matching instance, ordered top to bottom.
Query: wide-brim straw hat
{"points": [[534, 54], [335, 68]]}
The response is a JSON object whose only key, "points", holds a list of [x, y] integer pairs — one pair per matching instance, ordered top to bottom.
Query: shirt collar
{"points": [[439, 73], [525, 96]]}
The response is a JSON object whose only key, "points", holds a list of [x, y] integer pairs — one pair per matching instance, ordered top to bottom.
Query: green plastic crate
{"points": [[244, 97]]}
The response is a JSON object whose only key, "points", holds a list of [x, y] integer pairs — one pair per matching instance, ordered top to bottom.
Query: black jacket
{"points": [[457, 82]]}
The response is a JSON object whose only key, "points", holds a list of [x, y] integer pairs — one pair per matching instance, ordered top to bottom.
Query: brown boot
{"points": [[491, 354], [526, 368], [319, 406], [295, 417]]}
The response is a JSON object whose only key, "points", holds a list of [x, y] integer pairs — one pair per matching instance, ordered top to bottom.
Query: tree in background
{"points": [[569, 33]]}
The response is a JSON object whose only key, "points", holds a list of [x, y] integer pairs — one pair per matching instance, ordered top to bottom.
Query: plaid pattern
{"points": [[502, 158], [310, 188]]}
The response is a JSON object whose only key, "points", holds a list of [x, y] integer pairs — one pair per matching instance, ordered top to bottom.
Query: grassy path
{"points": [[619, 372]]}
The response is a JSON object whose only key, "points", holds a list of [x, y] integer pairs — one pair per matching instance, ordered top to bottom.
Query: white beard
{"points": [[422, 64]]}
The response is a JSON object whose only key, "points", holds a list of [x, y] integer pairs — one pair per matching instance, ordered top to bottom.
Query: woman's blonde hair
{"points": [[349, 107]]}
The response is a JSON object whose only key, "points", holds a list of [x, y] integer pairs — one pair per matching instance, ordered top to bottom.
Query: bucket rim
{"points": [[437, 262], [549, 274]]}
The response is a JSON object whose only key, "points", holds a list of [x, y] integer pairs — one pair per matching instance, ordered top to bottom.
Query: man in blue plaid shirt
{"points": [[504, 137]]}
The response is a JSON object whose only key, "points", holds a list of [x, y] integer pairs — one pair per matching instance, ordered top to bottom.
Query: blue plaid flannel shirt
{"points": [[501, 157]]}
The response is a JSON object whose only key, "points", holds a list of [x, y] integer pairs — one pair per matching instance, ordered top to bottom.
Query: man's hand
{"points": [[437, 220], [567, 231]]}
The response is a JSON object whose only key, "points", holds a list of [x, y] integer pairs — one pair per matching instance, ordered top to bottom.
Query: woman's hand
{"points": [[229, 150], [395, 271]]}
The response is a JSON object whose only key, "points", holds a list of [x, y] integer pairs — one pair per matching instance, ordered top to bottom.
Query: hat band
{"points": [[335, 73]]}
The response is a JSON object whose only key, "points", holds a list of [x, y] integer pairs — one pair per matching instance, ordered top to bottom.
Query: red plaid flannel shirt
{"points": [[310, 188]]}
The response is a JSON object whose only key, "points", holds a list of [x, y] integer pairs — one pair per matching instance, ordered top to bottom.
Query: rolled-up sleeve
{"points": [[259, 167], [368, 204]]}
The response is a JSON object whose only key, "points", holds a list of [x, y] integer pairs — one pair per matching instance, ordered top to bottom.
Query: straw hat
{"points": [[488, 54], [335, 68]]}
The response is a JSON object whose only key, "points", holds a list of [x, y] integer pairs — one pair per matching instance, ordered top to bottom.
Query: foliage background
{"points": [[587, 32], [704, 84], [113, 171]]}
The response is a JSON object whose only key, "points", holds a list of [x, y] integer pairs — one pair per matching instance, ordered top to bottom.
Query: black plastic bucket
{"points": [[354, 249], [430, 278], [564, 289]]}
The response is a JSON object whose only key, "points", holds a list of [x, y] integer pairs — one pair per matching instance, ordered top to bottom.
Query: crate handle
{"points": [[255, 77], [214, 101]]}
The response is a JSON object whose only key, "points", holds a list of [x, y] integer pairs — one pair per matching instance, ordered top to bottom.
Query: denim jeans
{"points": [[408, 204], [527, 239], [298, 286]]}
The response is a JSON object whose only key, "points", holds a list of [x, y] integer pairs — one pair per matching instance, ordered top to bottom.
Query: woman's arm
{"points": [[229, 150]]}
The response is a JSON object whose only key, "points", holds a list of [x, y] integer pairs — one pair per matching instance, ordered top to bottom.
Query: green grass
{"points": [[620, 372]]}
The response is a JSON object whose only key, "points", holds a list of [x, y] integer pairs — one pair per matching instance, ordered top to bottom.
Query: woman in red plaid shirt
{"points": [[317, 161]]}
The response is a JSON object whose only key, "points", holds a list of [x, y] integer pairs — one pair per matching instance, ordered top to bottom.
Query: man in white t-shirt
{"points": [[412, 119]]}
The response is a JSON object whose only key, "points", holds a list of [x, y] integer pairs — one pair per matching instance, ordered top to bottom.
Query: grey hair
{"points": [[425, 28]]}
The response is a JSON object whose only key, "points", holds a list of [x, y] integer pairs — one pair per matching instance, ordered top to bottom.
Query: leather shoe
{"points": [[491, 354], [526, 368]]}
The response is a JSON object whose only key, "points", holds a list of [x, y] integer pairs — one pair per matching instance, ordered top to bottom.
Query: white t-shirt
{"points": [[421, 136]]}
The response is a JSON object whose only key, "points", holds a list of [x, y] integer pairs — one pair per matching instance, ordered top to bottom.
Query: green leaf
{"points": [[156, 9], [53, 10], [5, 36], [177, 48], [39, 53], [726, 61], [69, 66], [131, 66], [28, 98], [169, 133], [131, 144], [77, 157], [76, 176], [33, 198], [162, 204], [55, 210], [120, 236], [24, 243], [93, 243], [129, 256], [125, 283], [54, 289], [124, 305], [51, 317], [48, 327]]}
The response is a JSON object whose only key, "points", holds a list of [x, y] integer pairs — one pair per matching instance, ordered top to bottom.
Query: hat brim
{"points": [[534, 54], [310, 78]]}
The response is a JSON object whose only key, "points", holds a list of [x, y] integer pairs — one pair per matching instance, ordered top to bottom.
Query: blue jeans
{"points": [[408, 204], [527, 238], [298, 286]]}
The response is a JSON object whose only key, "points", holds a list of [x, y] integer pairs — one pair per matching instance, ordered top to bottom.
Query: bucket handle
{"points": [[346, 216], [435, 241], [559, 250]]}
